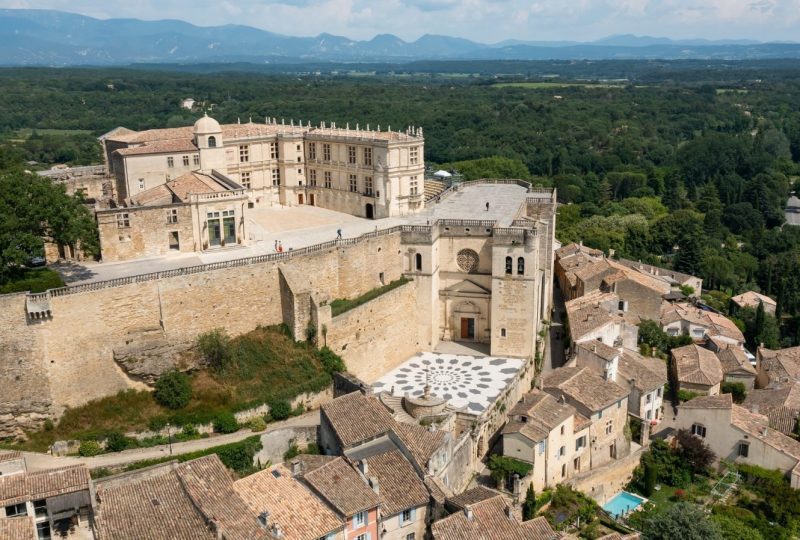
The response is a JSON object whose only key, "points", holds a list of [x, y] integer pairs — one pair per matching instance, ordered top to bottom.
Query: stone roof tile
{"points": [[697, 365], [584, 386], [356, 418], [399, 485], [30, 486], [344, 488], [490, 521], [17, 528]]}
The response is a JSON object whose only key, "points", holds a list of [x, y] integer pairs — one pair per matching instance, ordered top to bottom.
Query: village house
{"points": [[568, 260], [676, 280], [752, 299], [601, 317], [700, 324], [736, 366], [696, 369], [776, 369], [603, 402], [780, 405], [551, 435], [738, 435], [349, 492], [194, 499], [281, 499], [44, 504], [491, 519]]}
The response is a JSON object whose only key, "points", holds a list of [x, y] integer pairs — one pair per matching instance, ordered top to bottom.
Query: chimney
{"points": [[764, 431], [296, 467], [363, 467], [373, 482], [468, 512], [509, 515], [263, 518], [276, 530]]}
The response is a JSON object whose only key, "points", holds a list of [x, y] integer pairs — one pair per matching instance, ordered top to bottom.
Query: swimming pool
{"points": [[623, 503]]}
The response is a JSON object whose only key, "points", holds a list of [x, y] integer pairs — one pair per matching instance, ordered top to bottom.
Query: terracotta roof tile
{"points": [[752, 299], [734, 359], [696, 365], [781, 367], [646, 374], [584, 386], [719, 401], [542, 413], [356, 418], [757, 425], [420, 441], [9, 455], [399, 485], [29, 486], [344, 488], [472, 496], [299, 512], [490, 522], [18, 528]]}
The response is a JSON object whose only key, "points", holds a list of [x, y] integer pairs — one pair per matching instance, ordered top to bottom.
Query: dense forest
{"points": [[686, 165]]}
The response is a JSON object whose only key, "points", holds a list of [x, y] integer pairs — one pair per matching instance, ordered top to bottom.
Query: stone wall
{"points": [[376, 337], [68, 358], [275, 443]]}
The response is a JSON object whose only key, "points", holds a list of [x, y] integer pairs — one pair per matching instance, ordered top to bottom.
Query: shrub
{"points": [[215, 348], [331, 361], [736, 389], [173, 390], [280, 410], [225, 422], [157, 423], [257, 424], [48, 425], [117, 442], [90, 448], [292, 452], [650, 478]]}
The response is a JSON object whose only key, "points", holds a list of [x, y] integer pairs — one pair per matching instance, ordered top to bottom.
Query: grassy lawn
{"points": [[33, 280], [341, 305], [266, 365]]}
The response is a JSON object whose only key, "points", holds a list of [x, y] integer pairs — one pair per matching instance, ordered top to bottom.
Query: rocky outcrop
{"points": [[146, 358]]}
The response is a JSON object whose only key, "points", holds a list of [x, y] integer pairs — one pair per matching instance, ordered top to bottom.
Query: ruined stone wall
{"points": [[148, 234], [376, 337], [68, 359]]}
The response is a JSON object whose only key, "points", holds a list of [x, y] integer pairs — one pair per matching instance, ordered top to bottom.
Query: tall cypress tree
{"points": [[529, 506]]}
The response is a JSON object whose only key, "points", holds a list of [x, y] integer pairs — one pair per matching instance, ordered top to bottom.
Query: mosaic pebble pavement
{"points": [[470, 382]]}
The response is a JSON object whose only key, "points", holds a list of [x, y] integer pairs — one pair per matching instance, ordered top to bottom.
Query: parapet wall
{"points": [[65, 355]]}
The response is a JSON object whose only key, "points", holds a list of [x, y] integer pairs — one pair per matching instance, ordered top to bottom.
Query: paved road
{"points": [[38, 461]]}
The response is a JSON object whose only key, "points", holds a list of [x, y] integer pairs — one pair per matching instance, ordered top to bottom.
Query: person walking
{"points": [[487, 206], [338, 234], [276, 245], [280, 247]]}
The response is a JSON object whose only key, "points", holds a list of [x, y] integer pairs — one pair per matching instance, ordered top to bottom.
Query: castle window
{"points": [[212, 142], [298, 147], [312, 150], [326, 152], [244, 153], [351, 155], [413, 155], [367, 156], [196, 159], [170, 161], [185, 161], [276, 177], [312, 178], [246, 180], [328, 182], [353, 183], [368, 186], [414, 189], [172, 215], [123, 221], [418, 259], [509, 265], [521, 266], [502, 332]]}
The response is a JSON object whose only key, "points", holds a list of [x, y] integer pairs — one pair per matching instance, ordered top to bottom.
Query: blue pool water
{"points": [[623, 503]]}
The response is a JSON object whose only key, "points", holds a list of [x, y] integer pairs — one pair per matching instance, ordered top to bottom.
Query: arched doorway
{"points": [[299, 198], [370, 211]]}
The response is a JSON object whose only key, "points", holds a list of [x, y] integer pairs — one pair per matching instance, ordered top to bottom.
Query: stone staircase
{"points": [[433, 188], [395, 404]]}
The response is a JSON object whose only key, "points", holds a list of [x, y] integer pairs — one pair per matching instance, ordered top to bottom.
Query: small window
{"points": [[212, 142], [298, 148], [273, 150], [312, 150], [326, 152], [244, 153], [351, 155], [413, 155], [367, 156], [196, 159], [170, 161], [185, 161], [276, 177], [245, 178], [312, 178], [328, 181], [353, 183], [141, 184], [368, 186], [172, 215], [123, 221], [418, 261], [509, 265], [521, 266], [502, 332], [658, 392], [648, 398], [649, 415], [609, 427], [562, 429], [699, 430], [580, 442], [744, 449], [562, 451], [563, 470], [40, 508], [14, 510], [406, 516], [359, 520], [411, 536]]}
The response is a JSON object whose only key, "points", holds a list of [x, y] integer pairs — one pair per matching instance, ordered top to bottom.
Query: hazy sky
{"points": [[480, 20]]}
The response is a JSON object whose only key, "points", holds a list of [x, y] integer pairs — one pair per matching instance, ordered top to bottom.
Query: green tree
{"points": [[32, 210], [689, 255], [215, 348], [736, 389], [173, 390], [280, 410], [225, 422], [693, 451], [650, 477], [529, 506], [684, 521]]}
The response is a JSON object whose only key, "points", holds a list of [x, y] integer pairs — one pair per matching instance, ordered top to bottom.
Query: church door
{"points": [[467, 328]]}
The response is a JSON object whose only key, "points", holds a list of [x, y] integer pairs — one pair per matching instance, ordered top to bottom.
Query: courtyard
{"points": [[467, 382]]}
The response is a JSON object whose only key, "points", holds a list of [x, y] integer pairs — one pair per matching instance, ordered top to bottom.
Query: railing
{"points": [[217, 195], [466, 222], [523, 223]]}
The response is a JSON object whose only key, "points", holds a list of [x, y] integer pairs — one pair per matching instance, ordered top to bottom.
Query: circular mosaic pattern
{"points": [[467, 260], [468, 382]]}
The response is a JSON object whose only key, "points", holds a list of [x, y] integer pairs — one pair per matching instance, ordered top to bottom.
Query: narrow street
{"points": [[555, 356]]}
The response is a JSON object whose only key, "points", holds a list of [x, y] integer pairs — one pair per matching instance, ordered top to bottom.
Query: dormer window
{"points": [[212, 142]]}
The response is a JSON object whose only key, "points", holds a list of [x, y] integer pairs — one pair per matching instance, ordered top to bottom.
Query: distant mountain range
{"points": [[56, 38]]}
